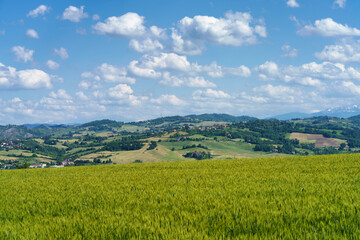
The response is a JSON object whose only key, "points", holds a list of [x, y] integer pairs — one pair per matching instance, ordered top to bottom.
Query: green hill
{"points": [[220, 117]]}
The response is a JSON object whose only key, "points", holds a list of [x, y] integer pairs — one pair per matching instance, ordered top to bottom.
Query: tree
{"points": [[342, 146]]}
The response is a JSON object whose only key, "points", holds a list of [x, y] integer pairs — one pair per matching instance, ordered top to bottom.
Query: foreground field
{"points": [[300, 198]]}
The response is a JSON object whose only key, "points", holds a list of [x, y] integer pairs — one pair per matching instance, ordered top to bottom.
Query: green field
{"points": [[315, 197]]}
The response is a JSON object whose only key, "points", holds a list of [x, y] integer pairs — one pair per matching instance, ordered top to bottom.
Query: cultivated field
{"points": [[318, 139], [315, 197]]}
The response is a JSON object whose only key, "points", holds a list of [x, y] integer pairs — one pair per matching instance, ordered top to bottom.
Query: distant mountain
{"points": [[340, 112], [293, 115], [220, 117], [44, 125]]}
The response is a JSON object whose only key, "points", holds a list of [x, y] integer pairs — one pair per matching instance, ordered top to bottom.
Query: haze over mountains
{"points": [[340, 112]]}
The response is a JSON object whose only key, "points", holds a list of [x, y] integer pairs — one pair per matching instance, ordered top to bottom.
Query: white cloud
{"points": [[340, 3], [292, 4], [39, 11], [74, 14], [95, 17], [127, 25], [328, 28], [233, 30], [158, 32], [31, 33], [146, 45], [184, 46], [289, 51], [61, 52], [343, 52], [22, 53], [166, 61], [52, 65], [268, 70], [142, 71], [215, 71], [107, 73], [110, 73], [309, 74], [24, 79], [176, 81], [85, 85], [351, 87], [120, 91], [278, 93], [60, 94], [210, 94], [80, 95], [168, 99], [255, 99], [58, 101]]}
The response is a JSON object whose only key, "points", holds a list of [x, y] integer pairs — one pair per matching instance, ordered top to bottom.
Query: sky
{"points": [[78, 61]]}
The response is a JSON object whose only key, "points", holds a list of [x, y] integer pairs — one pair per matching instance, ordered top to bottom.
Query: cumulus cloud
{"points": [[340, 3], [292, 4], [39, 11], [74, 14], [127, 25], [328, 28], [235, 29], [158, 32], [31, 33], [146, 45], [185, 46], [289, 51], [61, 52], [343, 52], [22, 53], [166, 61], [52, 65], [175, 70], [268, 70], [142, 71], [215, 71], [107, 73], [110, 73], [309, 74], [10, 78], [181, 81], [351, 87], [120, 91], [210, 93], [278, 93], [60, 94], [80, 95], [168, 99], [58, 100]]}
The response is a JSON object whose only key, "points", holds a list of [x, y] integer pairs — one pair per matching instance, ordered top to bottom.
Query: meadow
{"points": [[313, 197]]}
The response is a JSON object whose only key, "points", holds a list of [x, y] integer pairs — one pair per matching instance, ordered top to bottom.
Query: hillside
{"points": [[221, 117], [176, 138], [290, 198]]}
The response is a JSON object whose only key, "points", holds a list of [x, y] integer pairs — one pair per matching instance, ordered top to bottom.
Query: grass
{"points": [[315, 197]]}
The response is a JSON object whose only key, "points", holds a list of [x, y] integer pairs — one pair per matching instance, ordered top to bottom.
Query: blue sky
{"points": [[76, 61]]}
